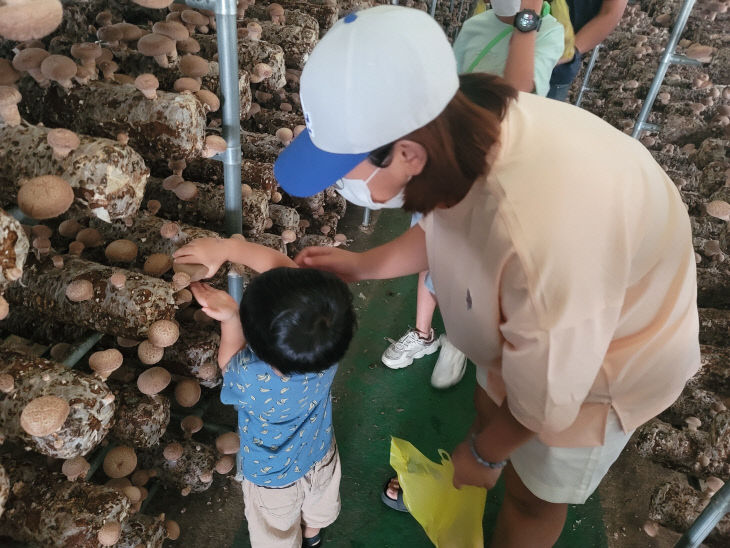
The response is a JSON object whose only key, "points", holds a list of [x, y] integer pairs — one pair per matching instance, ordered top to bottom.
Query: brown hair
{"points": [[457, 142]]}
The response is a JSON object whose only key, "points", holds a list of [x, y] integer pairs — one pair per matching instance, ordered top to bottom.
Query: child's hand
{"points": [[210, 252], [217, 304]]}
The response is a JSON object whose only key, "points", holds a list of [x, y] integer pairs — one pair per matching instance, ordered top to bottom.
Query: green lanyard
{"points": [[497, 39]]}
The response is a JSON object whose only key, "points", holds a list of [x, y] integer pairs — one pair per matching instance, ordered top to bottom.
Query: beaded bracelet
{"points": [[480, 460]]}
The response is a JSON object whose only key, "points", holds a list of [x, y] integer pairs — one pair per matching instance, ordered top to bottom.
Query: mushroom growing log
{"points": [[326, 15], [297, 38], [250, 53], [269, 120], [171, 126], [261, 147], [258, 175], [108, 178], [207, 209], [13, 249], [126, 312], [21, 321], [714, 327], [195, 354], [714, 374], [90, 402], [693, 402], [140, 420], [690, 451], [184, 474], [4, 489], [677, 506], [48, 510], [142, 530]]}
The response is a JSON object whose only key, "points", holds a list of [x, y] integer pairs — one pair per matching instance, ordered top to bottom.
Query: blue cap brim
{"points": [[302, 169]]}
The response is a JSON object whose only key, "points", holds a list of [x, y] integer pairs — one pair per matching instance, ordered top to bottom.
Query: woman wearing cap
{"points": [[567, 277]]}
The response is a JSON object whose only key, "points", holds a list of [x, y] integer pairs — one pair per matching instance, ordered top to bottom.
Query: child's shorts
{"points": [[568, 474], [276, 515]]}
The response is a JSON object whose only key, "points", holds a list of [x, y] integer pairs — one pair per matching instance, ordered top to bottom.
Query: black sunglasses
{"points": [[381, 157]]}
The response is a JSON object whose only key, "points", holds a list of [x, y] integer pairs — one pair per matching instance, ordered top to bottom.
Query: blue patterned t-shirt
{"points": [[285, 423]]}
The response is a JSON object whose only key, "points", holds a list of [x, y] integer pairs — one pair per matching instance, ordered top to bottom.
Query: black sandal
{"points": [[395, 504], [311, 542]]}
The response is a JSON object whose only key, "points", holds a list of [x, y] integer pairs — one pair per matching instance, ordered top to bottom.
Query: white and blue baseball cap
{"points": [[376, 76]]}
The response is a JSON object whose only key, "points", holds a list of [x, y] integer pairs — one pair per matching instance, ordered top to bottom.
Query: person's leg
{"points": [[425, 307], [321, 504], [273, 515], [525, 521]]}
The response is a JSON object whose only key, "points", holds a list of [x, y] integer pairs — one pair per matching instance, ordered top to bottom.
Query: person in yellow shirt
{"points": [[567, 278]]}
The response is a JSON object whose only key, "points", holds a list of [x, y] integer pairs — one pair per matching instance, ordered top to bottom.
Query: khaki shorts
{"points": [[568, 474], [276, 515]]}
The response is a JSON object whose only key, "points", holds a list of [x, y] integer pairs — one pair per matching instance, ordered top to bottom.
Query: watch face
{"points": [[527, 20]]}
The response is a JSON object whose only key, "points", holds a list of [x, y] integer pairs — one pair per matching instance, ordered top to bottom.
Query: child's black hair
{"points": [[298, 320]]}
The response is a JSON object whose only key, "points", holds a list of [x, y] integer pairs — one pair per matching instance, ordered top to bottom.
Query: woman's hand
{"points": [[210, 252], [345, 264], [217, 304], [467, 471]]}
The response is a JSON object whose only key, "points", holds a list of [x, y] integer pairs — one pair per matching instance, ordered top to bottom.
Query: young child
{"points": [[279, 354]]}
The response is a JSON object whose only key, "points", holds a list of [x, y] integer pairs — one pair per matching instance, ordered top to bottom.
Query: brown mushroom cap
{"points": [[154, 4], [275, 9], [194, 18], [22, 20], [172, 29], [130, 32], [154, 45], [189, 45], [86, 52], [29, 59], [193, 66], [59, 68], [8, 75], [186, 84], [148, 85], [209, 99], [285, 135], [62, 141], [214, 144], [169, 183], [186, 191], [45, 197], [718, 209], [69, 228], [170, 230], [288, 236], [90, 237], [75, 248], [121, 251], [157, 264], [196, 271], [118, 280], [180, 280], [79, 290], [4, 308], [163, 333], [148, 353], [106, 361], [153, 381], [7, 383], [187, 392], [44, 416], [191, 424], [228, 443], [172, 451], [120, 461], [225, 464], [75, 468], [140, 478], [132, 493], [172, 529], [109, 533]]}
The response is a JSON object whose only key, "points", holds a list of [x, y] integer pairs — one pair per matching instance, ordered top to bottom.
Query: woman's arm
{"points": [[595, 30], [213, 252], [400, 257]]}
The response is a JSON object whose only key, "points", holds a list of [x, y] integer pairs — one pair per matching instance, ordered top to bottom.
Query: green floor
{"points": [[373, 403]]}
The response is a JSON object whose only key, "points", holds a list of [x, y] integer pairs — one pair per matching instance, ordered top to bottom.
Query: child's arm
{"points": [[519, 69], [213, 252], [220, 306]]}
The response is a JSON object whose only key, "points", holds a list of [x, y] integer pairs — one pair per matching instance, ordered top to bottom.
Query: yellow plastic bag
{"points": [[452, 518]]}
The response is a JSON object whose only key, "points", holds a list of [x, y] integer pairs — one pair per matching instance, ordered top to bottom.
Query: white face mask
{"points": [[505, 8], [357, 191]]}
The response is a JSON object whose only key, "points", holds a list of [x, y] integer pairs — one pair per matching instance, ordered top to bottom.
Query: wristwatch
{"points": [[527, 21]]}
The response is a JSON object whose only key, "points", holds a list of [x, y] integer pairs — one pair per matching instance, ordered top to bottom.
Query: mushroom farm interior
{"points": [[112, 430]]}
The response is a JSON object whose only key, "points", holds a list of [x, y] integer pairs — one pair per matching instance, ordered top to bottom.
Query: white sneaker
{"points": [[409, 347], [450, 366]]}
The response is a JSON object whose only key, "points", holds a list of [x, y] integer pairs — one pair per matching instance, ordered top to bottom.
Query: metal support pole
{"points": [[432, 11], [668, 58], [584, 87], [366, 217], [82, 349], [719, 506]]}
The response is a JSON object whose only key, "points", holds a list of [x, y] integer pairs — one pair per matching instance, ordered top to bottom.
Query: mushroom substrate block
{"points": [[325, 15], [297, 38], [249, 54], [269, 120], [171, 126], [262, 147], [258, 175], [108, 178], [208, 207], [13, 249], [126, 312], [22, 321], [714, 326], [195, 354], [714, 374], [693, 402], [91, 407], [140, 420], [694, 452], [184, 474], [4, 489], [677, 505], [48, 510], [142, 530]]}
